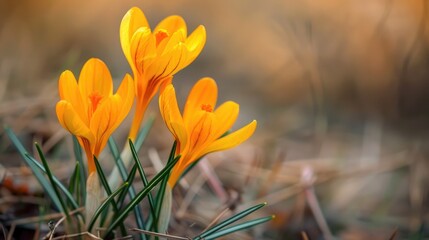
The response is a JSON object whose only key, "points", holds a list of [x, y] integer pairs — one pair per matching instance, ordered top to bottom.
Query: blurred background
{"points": [[339, 89]]}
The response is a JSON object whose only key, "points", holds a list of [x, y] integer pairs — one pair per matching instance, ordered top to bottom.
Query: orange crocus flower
{"points": [[155, 56], [89, 110], [201, 128]]}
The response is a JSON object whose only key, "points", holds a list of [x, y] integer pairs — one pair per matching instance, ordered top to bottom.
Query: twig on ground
{"points": [[54, 139], [270, 177], [212, 179], [308, 180], [191, 193], [23, 199], [216, 219], [31, 220], [3, 230], [51, 232], [159, 234], [77, 235], [304, 236], [393, 236], [124, 238]]}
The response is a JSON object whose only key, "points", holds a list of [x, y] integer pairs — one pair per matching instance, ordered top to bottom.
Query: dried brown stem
{"points": [[159, 234]]}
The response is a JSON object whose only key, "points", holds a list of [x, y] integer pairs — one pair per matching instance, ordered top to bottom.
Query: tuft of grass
{"points": [[105, 184], [142, 194], [69, 199]]}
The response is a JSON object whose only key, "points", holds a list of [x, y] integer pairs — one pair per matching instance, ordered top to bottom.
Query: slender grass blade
{"points": [[141, 137], [39, 176], [143, 177], [51, 179], [82, 179], [73, 182], [106, 186], [121, 197], [105, 204], [230, 221], [238, 227]]}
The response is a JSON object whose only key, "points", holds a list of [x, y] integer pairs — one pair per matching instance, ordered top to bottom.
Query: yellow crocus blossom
{"points": [[155, 56], [89, 110], [201, 128]]}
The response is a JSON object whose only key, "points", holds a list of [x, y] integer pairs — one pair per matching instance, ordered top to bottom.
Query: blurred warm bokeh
{"points": [[339, 88]]}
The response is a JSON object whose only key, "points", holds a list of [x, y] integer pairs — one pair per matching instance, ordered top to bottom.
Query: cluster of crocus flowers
{"points": [[155, 56], [88, 108], [201, 129]]}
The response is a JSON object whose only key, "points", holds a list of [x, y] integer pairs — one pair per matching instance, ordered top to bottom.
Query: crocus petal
{"points": [[132, 20], [172, 24], [195, 43], [169, 44], [143, 48], [182, 60], [173, 61], [167, 64], [95, 78], [165, 83], [153, 86], [68, 88], [70, 92], [126, 92], [203, 92], [111, 112], [171, 114], [226, 115], [71, 121], [105, 121], [201, 134], [232, 139], [199, 140], [176, 172]]}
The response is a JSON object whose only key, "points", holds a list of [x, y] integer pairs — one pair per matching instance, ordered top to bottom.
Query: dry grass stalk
{"points": [[167, 236]]}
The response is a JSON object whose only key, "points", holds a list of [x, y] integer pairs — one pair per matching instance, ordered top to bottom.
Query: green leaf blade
{"points": [[31, 164], [82, 175], [143, 177], [53, 184], [106, 186], [105, 203], [230, 220], [238, 227]]}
